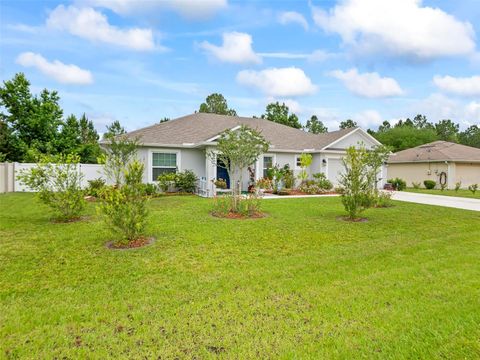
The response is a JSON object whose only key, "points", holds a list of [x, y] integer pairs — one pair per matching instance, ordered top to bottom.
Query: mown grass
{"points": [[460, 193], [296, 284]]}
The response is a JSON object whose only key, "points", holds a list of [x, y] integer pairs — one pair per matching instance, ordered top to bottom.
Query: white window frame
{"points": [[177, 152], [274, 159], [296, 166]]}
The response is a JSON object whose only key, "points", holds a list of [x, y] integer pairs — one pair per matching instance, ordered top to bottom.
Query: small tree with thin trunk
{"points": [[236, 150], [119, 152]]}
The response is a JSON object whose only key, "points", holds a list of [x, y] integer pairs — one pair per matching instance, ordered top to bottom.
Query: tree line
{"points": [[34, 125]]}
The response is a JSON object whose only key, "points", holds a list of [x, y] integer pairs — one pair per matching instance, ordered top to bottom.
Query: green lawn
{"points": [[460, 193], [296, 284]]}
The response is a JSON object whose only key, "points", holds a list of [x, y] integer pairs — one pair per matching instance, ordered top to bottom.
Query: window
{"points": [[298, 161], [163, 163], [267, 164]]}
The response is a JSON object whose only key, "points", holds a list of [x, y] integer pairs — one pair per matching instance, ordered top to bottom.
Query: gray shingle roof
{"points": [[195, 129], [437, 151]]}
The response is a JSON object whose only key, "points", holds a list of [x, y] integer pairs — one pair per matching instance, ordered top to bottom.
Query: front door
{"points": [[222, 173]]}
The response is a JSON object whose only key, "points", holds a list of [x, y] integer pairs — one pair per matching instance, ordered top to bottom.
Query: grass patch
{"points": [[461, 193], [296, 284]]}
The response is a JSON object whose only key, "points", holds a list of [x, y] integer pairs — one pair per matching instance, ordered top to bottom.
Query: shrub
{"points": [[305, 162], [288, 177], [166, 180], [186, 181], [322, 181], [57, 182], [358, 182], [220, 183], [264, 183], [398, 184], [430, 184], [416, 185], [458, 185], [443, 186], [95, 187], [311, 187], [473, 188], [149, 189], [339, 190], [383, 199], [125, 206], [248, 206]]}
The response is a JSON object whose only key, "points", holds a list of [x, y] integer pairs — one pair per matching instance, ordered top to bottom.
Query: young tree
{"points": [[216, 104], [279, 113], [347, 124], [315, 126], [236, 150], [119, 152], [305, 162], [57, 181], [357, 182], [125, 207]]}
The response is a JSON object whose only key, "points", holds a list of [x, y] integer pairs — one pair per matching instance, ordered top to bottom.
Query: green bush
{"points": [[288, 177], [166, 180], [186, 181], [322, 181], [57, 182], [398, 184], [430, 184], [416, 185], [458, 185], [95, 187], [473, 188], [149, 189], [383, 199], [125, 206]]}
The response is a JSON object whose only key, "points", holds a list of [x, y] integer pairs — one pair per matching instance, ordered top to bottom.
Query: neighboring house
{"points": [[182, 144], [441, 161]]}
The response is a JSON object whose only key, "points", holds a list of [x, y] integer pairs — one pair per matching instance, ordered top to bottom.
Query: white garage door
{"points": [[335, 168]]}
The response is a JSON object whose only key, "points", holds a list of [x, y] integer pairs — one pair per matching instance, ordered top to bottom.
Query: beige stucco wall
{"points": [[416, 172], [468, 174]]}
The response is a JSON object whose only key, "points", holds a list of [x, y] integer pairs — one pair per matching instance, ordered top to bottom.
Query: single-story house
{"points": [[182, 144], [442, 161]]}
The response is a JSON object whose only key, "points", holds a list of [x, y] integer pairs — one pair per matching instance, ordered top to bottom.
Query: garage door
{"points": [[335, 168]]}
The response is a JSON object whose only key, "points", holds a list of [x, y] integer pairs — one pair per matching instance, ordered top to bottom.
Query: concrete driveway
{"points": [[439, 200]]}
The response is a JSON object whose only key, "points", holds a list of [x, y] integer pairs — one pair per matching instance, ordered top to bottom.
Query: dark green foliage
{"points": [[216, 104], [279, 113], [347, 124], [315, 126], [447, 130], [78, 136], [405, 137], [470, 137], [166, 181], [186, 181], [322, 181], [398, 184], [429, 184], [95, 187], [473, 188], [149, 189]]}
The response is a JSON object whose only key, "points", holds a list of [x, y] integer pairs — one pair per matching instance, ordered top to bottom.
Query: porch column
{"points": [[451, 175]]}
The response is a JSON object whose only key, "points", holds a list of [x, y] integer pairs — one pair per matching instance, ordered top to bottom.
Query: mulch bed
{"points": [[298, 192], [237, 216], [347, 219], [137, 243]]}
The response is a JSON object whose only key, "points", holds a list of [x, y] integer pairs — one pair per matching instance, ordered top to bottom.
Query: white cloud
{"points": [[190, 9], [292, 17], [90, 24], [402, 28], [236, 48], [315, 56], [65, 74], [282, 82], [370, 85], [468, 86], [438, 106], [368, 119]]}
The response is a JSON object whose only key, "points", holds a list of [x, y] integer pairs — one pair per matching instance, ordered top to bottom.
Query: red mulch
{"points": [[237, 216], [133, 244]]}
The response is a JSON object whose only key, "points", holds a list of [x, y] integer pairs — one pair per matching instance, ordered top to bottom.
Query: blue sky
{"points": [[140, 61]]}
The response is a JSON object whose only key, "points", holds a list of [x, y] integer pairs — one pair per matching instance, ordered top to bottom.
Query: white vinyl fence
{"points": [[10, 171]]}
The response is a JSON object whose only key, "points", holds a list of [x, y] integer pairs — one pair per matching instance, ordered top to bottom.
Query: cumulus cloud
{"points": [[190, 9], [292, 17], [90, 24], [401, 28], [236, 48], [65, 74], [281, 82], [370, 85], [468, 86], [368, 119]]}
